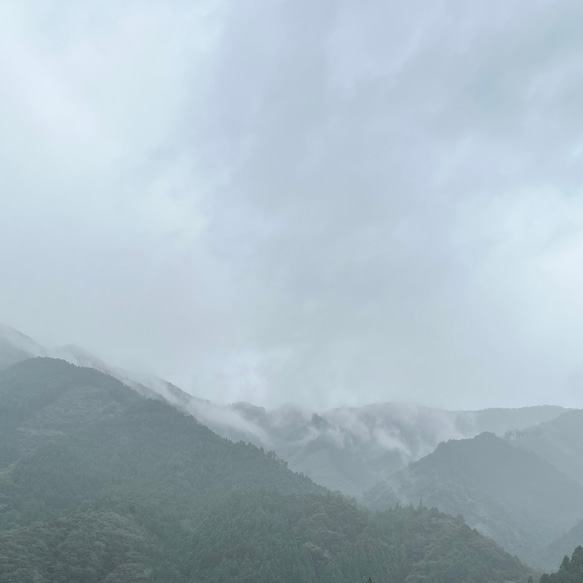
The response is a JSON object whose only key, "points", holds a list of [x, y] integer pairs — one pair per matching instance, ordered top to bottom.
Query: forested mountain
{"points": [[55, 416], [559, 441], [352, 448], [348, 449], [101, 485], [509, 494]]}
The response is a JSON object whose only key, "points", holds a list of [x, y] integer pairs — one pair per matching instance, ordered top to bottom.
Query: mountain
{"points": [[16, 347], [52, 412], [500, 421], [559, 441], [352, 448], [347, 449], [102, 485], [512, 495], [561, 547]]}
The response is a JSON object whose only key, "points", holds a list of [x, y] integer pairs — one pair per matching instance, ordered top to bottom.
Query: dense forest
{"points": [[101, 485], [260, 537]]}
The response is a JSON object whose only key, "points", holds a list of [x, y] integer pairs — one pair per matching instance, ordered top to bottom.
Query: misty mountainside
{"points": [[16, 347], [55, 415], [503, 420], [559, 441], [352, 448], [348, 449], [102, 485], [509, 494], [555, 552], [570, 571]]}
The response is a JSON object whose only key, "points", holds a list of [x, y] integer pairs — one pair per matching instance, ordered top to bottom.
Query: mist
{"points": [[279, 203]]}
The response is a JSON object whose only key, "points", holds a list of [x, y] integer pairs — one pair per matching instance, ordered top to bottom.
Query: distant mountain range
{"points": [[348, 449], [351, 449], [516, 475], [102, 485]]}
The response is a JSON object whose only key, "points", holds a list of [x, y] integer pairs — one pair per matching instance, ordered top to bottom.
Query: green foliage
{"points": [[102, 486], [325, 539], [84, 547], [570, 571]]}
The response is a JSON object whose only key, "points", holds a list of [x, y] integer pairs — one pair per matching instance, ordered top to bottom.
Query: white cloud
{"points": [[291, 202]]}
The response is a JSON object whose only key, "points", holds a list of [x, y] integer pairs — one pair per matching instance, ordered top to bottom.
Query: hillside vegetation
{"points": [[101, 485], [512, 495], [570, 571]]}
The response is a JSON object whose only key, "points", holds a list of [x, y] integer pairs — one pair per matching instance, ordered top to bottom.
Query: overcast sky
{"points": [[321, 203]]}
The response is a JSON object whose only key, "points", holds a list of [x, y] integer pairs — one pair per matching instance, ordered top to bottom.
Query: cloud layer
{"points": [[282, 201]]}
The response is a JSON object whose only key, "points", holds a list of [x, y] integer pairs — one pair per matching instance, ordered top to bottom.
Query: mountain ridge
{"points": [[347, 448], [103, 485], [512, 495]]}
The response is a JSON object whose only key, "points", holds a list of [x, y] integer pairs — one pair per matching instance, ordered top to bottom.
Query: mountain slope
{"points": [[16, 347], [55, 416], [559, 441], [352, 448], [348, 449], [101, 485], [518, 499], [256, 538], [561, 547]]}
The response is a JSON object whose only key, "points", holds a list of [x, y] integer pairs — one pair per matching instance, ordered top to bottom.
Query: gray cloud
{"points": [[282, 201]]}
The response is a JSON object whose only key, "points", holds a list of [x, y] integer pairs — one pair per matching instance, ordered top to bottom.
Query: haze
{"points": [[286, 201]]}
